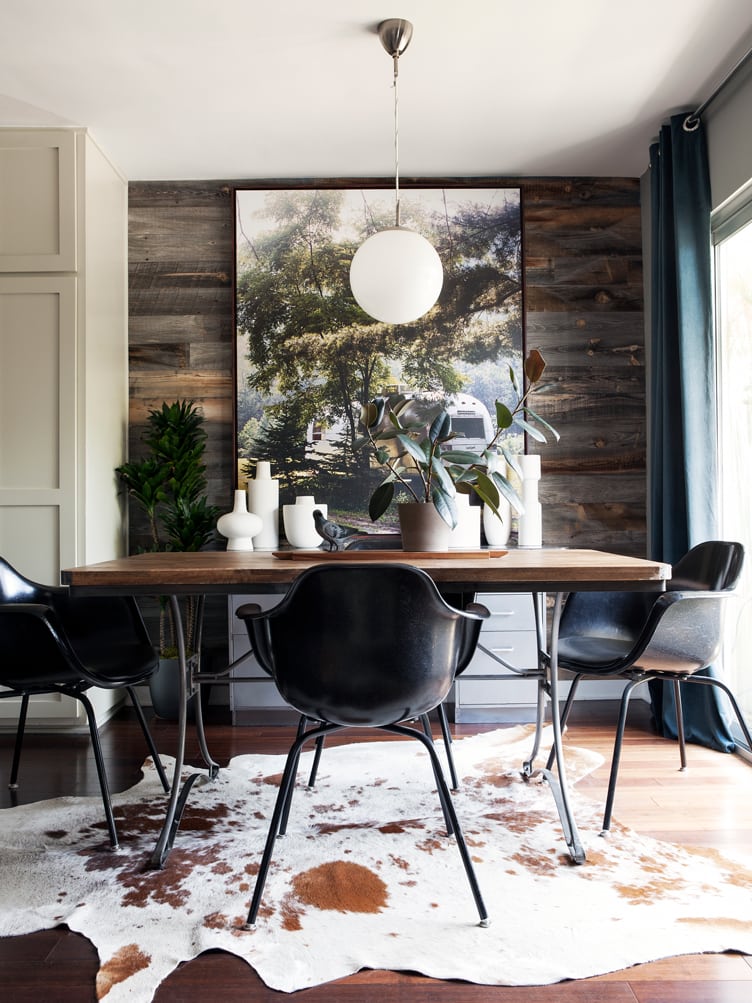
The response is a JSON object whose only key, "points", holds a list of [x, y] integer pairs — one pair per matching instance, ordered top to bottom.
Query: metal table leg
{"points": [[558, 781], [178, 795]]}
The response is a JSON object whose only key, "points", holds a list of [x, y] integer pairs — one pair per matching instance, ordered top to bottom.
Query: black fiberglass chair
{"points": [[640, 637], [52, 642], [362, 646]]}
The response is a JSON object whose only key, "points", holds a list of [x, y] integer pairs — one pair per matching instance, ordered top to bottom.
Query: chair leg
{"points": [[712, 681], [564, 715], [302, 722], [680, 724], [427, 731], [447, 736], [149, 740], [617, 753], [316, 760], [101, 773], [13, 782], [446, 801], [281, 805]]}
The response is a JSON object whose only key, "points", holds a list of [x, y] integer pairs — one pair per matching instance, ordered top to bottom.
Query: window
{"points": [[733, 259]]}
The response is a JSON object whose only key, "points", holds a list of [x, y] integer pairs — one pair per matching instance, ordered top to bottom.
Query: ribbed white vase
{"points": [[531, 520]]}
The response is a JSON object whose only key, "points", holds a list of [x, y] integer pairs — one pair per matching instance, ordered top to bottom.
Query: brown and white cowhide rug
{"points": [[366, 878]]}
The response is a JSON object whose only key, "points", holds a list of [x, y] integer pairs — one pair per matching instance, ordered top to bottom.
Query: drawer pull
{"points": [[499, 651]]}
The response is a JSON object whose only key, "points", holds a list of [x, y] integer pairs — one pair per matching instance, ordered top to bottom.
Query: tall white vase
{"points": [[263, 500], [531, 520], [240, 525]]}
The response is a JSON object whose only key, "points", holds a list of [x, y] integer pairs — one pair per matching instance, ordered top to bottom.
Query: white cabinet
{"points": [[63, 362], [510, 634], [255, 702]]}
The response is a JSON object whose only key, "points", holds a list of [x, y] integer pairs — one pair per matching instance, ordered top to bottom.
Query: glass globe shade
{"points": [[396, 275]]}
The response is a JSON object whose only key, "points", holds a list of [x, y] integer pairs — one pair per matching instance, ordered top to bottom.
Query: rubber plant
{"points": [[427, 460]]}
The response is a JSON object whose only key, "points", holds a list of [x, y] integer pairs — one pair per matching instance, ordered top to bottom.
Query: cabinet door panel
{"points": [[37, 207]]}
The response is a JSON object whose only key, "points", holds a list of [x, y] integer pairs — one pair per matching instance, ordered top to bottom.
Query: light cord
{"points": [[396, 141]]}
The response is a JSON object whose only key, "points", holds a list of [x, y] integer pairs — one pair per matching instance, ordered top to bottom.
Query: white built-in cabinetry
{"points": [[63, 362]]}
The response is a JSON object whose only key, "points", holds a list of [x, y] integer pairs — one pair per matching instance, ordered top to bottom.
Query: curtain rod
{"points": [[692, 121]]}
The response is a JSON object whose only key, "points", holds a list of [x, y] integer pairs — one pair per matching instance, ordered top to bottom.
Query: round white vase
{"points": [[240, 525], [497, 527]]}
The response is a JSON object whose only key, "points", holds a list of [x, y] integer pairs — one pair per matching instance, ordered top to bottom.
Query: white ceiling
{"points": [[189, 89]]}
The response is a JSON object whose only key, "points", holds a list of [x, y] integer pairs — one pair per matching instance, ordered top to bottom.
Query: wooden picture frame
{"points": [[307, 356]]}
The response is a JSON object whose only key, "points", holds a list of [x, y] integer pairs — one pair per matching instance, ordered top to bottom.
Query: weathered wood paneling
{"points": [[583, 310]]}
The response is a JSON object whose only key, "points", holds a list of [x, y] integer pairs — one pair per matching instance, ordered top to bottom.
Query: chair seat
{"points": [[597, 654], [122, 664]]}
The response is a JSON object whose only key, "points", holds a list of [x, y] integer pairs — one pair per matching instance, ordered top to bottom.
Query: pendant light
{"points": [[396, 274]]}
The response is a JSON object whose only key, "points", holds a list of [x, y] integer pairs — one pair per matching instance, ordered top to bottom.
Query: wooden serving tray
{"points": [[385, 555]]}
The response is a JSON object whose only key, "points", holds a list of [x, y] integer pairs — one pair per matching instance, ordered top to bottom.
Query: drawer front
{"points": [[509, 611], [517, 647], [494, 693]]}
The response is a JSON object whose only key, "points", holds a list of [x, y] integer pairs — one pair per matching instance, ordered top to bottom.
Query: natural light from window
{"points": [[734, 295]]}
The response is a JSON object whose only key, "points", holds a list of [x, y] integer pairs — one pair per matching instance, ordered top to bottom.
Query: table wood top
{"points": [[518, 570]]}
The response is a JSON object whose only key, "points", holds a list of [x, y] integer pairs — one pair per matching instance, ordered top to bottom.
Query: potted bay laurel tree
{"points": [[421, 455], [169, 485]]}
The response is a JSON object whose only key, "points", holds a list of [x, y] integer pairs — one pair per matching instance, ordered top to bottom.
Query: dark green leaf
{"points": [[503, 416], [381, 499]]}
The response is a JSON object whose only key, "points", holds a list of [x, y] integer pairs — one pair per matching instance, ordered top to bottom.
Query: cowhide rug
{"points": [[366, 878]]}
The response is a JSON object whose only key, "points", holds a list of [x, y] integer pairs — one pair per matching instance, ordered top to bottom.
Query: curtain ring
{"points": [[691, 123]]}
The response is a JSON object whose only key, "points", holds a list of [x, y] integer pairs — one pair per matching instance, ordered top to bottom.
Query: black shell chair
{"points": [[639, 637], [52, 642], [362, 646]]}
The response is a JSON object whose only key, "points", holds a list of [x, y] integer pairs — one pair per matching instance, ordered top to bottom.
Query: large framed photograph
{"points": [[308, 356]]}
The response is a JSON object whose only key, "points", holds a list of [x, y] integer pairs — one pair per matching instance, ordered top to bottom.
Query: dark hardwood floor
{"points": [[710, 805]]}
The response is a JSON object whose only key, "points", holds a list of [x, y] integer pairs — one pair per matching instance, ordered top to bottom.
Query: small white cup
{"points": [[300, 529]]}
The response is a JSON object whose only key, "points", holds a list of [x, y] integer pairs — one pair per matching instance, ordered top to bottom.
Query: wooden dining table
{"points": [[538, 571]]}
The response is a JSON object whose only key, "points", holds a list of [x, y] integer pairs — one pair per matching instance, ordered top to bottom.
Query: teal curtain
{"points": [[683, 475]]}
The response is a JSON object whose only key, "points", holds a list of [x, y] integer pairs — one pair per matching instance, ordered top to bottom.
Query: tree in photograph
{"points": [[306, 336]]}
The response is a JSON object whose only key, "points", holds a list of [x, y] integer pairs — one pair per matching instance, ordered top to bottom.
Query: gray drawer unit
{"points": [[510, 634], [256, 702]]}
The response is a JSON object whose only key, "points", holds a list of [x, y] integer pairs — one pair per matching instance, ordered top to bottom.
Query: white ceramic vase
{"points": [[263, 500], [531, 520], [240, 525], [497, 527], [300, 528], [466, 534]]}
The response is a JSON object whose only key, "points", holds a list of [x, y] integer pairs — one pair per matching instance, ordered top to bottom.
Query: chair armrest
{"points": [[478, 609], [248, 610]]}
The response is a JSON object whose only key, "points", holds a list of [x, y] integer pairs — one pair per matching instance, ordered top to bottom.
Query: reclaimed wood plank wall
{"points": [[583, 310]]}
